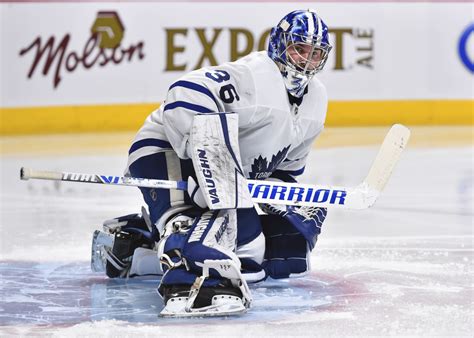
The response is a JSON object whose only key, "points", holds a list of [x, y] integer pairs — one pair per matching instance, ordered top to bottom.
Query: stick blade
{"points": [[392, 147]]}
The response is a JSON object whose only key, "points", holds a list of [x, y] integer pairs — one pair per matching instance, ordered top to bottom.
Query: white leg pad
{"points": [[254, 250], [145, 262]]}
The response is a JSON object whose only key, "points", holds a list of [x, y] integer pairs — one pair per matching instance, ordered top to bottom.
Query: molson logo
{"points": [[103, 47], [352, 47]]}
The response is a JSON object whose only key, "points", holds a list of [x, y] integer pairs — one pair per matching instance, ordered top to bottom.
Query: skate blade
{"points": [[176, 309], [199, 314]]}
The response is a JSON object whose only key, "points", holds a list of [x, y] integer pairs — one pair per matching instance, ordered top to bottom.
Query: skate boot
{"points": [[206, 296]]}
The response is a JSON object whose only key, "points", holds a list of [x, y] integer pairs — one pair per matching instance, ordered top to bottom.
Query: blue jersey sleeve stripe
{"points": [[195, 87], [188, 105], [149, 142], [288, 160], [295, 172], [286, 175], [283, 176]]}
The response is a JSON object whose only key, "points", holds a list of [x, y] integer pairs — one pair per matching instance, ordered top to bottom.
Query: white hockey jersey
{"points": [[272, 135]]}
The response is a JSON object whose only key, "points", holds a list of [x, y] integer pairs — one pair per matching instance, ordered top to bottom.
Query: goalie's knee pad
{"points": [[308, 221], [195, 235], [213, 235], [250, 239], [287, 252]]}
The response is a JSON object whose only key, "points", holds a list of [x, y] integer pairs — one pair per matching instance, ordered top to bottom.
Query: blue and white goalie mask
{"points": [[299, 45]]}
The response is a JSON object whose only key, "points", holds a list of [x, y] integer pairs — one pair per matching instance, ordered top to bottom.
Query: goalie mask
{"points": [[299, 45]]}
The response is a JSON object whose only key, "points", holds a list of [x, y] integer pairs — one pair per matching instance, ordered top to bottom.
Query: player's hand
{"points": [[195, 193]]}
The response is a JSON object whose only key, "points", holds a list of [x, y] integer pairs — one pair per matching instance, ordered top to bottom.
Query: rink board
{"points": [[55, 78]]}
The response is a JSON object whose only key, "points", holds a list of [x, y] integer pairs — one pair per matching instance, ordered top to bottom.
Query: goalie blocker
{"points": [[214, 149]]}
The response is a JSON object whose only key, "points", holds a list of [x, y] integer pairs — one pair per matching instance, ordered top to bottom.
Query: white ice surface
{"points": [[404, 267]]}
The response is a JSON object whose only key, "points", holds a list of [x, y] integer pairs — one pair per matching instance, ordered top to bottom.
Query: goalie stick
{"points": [[360, 197]]}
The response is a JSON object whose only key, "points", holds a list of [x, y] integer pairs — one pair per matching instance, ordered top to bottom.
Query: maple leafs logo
{"points": [[261, 169]]}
